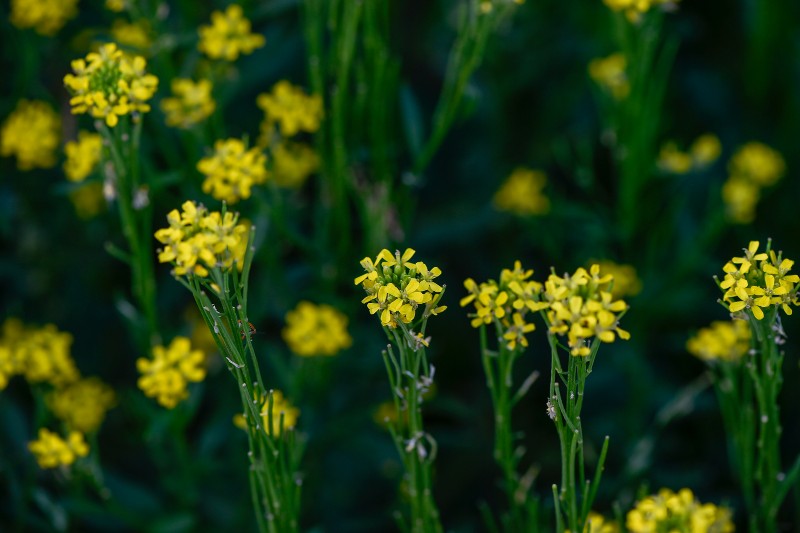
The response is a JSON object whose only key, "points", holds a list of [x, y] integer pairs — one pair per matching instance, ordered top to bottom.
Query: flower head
{"points": [[634, 9], [46, 17], [229, 35], [135, 36], [609, 73], [108, 85], [190, 104], [291, 109], [31, 133], [83, 155], [293, 163], [753, 167], [232, 170], [522, 193], [88, 200], [198, 240], [313, 329], [722, 341], [41, 354], [167, 375], [82, 405], [283, 414], [52, 451], [678, 512]]}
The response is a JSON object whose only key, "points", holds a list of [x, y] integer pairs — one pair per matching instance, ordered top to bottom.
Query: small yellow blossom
{"points": [[117, 6], [634, 9], [46, 17], [229, 35], [134, 36], [609, 73], [108, 85], [190, 104], [291, 109], [31, 133], [705, 150], [83, 155], [671, 159], [292, 163], [757, 163], [232, 170], [522, 193], [741, 198], [88, 200], [197, 240], [626, 281], [760, 282], [397, 287], [313, 329], [722, 341], [41, 354], [167, 375], [82, 405], [282, 410], [52, 451], [677, 513], [597, 523]]}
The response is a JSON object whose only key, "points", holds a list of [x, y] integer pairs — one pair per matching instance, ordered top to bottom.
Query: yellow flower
{"points": [[117, 6], [487, 6], [634, 9], [46, 17], [132, 35], [229, 35], [609, 73], [108, 85], [190, 104], [291, 109], [31, 133], [705, 149], [83, 155], [671, 159], [292, 163], [757, 163], [232, 170], [522, 193], [740, 197], [88, 200], [197, 240], [626, 281], [313, 329], [724, 341], [41, 354], [167, 375], [82, 405], [282, 411], [52, 451], [677, 513], [597, 523]]}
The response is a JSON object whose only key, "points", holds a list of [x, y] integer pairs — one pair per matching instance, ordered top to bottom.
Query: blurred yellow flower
{"points": [[117, 6], [634, 9], [46, 17], [132, 35], [229, 35], [609, 73], [190, 104], [291, 109], [31, 133], [705, 149], [83, 155], [671, 159], [293, 163], [751, 168], [232, 170], [522, 193], [88, 200], [626, 280], [316, 329], [724, 341], [41, 354], [167, 375], [82, 405], [282, 410], [52, 451], [677, 513], [597, 523]]}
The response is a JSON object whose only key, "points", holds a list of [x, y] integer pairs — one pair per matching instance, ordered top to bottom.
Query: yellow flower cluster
{"points": [[117, 6], [634, 9], [46, 17], [132, 35], [229, 35], [609, 73], [108, 85], [190, 104], [291, 109], [31, 133], [704, 151], [83, 155], [292, 164], [753, 167], [232, 170], [521, 194], [88, 200], [197, 240], [626, 281], [759, 281], [396, 288], [505, 303], [581, 306], [313, 329], [722, 341], [41, 354], [166, 376], [82, 405], [280, 408], [52, 451], [677, 513], [597, 523]]}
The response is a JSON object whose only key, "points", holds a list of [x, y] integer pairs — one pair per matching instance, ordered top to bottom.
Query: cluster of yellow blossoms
{"points": [[634, 9], [46, 17], [229, 35], [133, 36], [609, 73], [108, 85], [190, 103], [291, 109], [31, 133], [704, 151], [83, 155], [292, 163], [753, 167], [232, 170], [522, 193], [88, 200], [197, 240], [626, 280], [759, 281], [397, 287], [507, 302], [313, 329], [722, 341], [40, 354], [167, 375], [82, 404], [282, 410], [52, 451], [677, 512], [597, 523]]}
